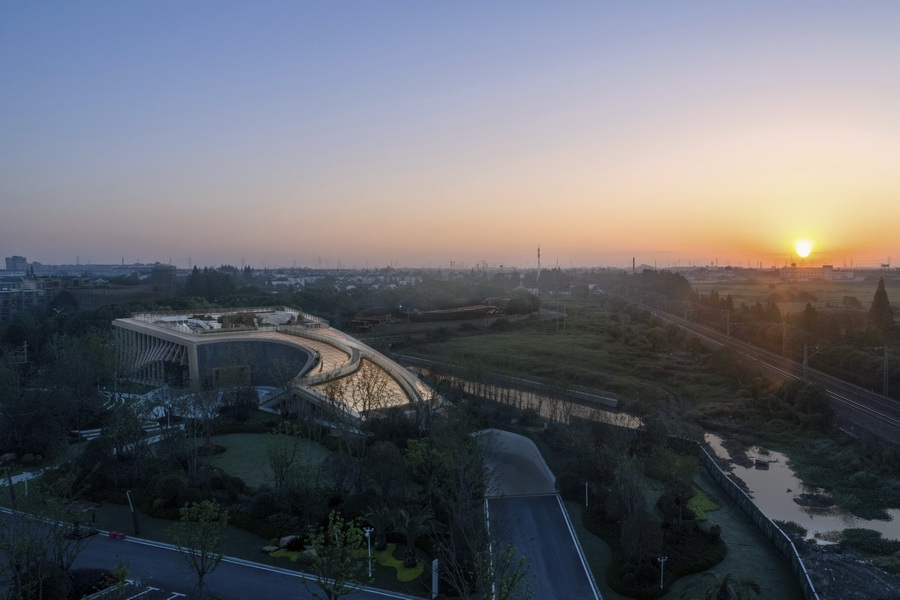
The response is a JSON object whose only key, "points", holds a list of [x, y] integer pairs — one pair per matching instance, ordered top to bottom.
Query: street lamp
{"points": [[368, 531], [662, 565]]}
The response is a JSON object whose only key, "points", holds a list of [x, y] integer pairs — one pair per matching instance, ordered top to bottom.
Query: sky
{"points": [[369, 134]]}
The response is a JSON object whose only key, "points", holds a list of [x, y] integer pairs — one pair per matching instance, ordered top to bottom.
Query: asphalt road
{"points": [[525, 511], [537, 527], [234, 579]]}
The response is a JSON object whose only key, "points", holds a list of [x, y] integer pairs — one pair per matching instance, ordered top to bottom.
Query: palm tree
{"points": [[381, 519], [413, 526], [731, 588]]}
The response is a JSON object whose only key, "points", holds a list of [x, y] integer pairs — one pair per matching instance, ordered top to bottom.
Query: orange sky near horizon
{"points": [[420, 134]]}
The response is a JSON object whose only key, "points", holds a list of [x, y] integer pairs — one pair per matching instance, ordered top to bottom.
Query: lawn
{"points": [[245, 456], [388, 571]]}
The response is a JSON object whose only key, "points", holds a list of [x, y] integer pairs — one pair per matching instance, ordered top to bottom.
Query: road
{"points": [[865, 409], [524, 510], [537, 527], [161, 567]]}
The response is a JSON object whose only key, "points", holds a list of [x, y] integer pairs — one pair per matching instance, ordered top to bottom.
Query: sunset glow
{"points": [[420, 134]]}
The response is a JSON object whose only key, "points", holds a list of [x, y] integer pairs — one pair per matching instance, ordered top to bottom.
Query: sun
{"points": [[803, 248]]}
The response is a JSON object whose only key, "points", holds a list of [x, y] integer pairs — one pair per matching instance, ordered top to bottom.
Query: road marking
{"points": [[581, 556]]}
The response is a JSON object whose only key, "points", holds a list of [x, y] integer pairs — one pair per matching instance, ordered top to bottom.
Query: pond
{"points": [[771, 483], [776, 490]]}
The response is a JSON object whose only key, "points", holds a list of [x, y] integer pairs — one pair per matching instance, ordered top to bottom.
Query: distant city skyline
{"points": [[420, 134], [788, 260]]}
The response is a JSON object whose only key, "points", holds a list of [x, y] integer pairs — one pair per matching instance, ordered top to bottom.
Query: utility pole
{"points": [[805, 360], [886, 372], [662, 567]]}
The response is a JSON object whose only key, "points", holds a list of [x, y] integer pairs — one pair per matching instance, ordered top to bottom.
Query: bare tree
{"points": [[368, 389], [282, 449], [200, 537], [40, 547]]}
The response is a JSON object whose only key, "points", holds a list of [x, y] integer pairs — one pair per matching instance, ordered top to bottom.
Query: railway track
{"points": [[864, 408]]}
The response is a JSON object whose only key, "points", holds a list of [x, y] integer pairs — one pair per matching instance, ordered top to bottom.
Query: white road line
{"points": [[581, 556]]}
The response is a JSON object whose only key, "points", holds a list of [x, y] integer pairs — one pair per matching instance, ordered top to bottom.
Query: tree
{"points": [[881, 317], [809, 319], [282, 448], [387, 471], [380, 519], [413, 525], [200, 537], [641, 537], [25, 545], [37, 550], [337, 565], [500, 576], [731, 588]]}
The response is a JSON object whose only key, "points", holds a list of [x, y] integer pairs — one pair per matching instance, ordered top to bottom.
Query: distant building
{"points": [[16, 263], [825, 272], [162, 278], [18, 294]]}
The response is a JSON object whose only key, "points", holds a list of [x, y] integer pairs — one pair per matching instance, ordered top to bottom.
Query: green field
{"points": [[826, 294], [612, 352], [245, 456]]}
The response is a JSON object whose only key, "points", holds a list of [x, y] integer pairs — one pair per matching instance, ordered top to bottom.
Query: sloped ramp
{"points": [[524, 510]]}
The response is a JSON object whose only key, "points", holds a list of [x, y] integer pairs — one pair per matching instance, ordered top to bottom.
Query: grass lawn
{"points": [[245, 456], [388, 571]]}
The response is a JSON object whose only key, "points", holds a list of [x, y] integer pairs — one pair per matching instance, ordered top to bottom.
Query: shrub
{"points": [[530, 417], [332, 443], [863, 479], [570, 485], [168, 487], [700, 503], [259, 527], [795, 531], [869, 542], [296, 544], [891, 564], [645, 572]]}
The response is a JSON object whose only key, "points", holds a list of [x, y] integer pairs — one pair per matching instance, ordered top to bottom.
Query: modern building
{"points": [[297, 355]]}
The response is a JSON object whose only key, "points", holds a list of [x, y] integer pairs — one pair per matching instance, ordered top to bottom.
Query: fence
{"points": [[773, 533]]}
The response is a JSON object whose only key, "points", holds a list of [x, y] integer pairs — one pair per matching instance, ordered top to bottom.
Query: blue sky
{"points": [[416, 133]]}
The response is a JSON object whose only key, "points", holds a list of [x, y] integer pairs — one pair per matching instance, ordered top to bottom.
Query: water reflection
{"points": [[547, 406], [766, 475], [781, 495]]}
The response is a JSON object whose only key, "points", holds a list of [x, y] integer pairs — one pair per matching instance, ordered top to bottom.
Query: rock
{"points": [[287, 540], [269, 549]]}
